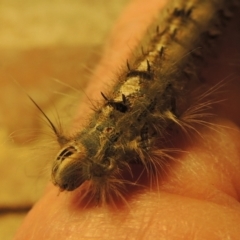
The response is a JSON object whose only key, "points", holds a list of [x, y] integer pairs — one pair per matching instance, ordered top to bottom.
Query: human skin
{"points": [[199, 196]]}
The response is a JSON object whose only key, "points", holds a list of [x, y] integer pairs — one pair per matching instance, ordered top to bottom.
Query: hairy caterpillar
{"points": [[144, 105]]}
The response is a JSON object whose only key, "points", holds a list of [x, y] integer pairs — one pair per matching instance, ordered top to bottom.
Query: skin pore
{"points": [[197, 199]]}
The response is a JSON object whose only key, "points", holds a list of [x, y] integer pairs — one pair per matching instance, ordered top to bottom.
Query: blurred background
{"points": [[47, 49]]}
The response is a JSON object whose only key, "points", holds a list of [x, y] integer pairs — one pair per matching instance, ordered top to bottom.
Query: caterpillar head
{"points": [[72, 167], [69, 171]]}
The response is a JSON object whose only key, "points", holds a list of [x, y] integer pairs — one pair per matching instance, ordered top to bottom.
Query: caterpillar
{"points": [[149, 100]]}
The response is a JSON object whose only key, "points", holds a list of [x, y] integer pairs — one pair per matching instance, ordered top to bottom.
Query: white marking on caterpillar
{"points": [[145, 104]]}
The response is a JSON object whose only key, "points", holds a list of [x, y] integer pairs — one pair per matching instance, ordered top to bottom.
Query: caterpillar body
{"points": [[150, 98]]}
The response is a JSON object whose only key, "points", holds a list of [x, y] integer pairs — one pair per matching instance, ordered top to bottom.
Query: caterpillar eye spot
{"points": [[67, 152]]}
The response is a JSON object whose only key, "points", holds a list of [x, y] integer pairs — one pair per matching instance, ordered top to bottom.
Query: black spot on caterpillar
{"points": [[149, 100]]}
